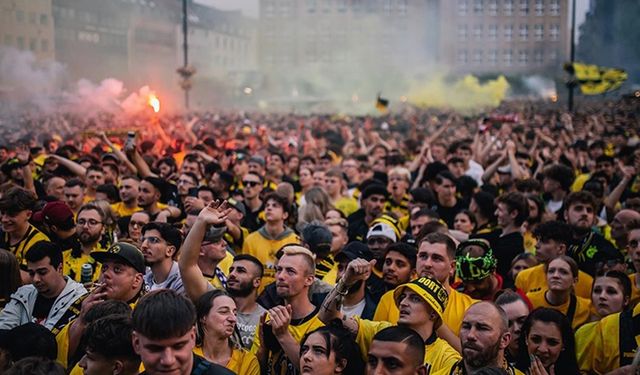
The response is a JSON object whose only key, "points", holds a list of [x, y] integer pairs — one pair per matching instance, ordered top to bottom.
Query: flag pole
{"points": [[572, 53]]}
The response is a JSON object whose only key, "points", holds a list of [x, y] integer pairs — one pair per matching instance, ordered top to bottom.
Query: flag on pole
{"points": [[595, 80], [382, 104]]}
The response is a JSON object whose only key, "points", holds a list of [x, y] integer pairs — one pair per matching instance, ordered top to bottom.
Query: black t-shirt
{"points": [[448, 214], [252, 219], [505, 248], [591, 250], [42, 307]]}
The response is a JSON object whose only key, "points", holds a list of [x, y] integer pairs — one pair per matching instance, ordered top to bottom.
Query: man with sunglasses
{"points": [[252, 187], [160, 243]]}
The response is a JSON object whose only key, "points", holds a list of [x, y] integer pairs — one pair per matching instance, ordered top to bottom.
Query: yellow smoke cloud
{"points": [[466, 94]]}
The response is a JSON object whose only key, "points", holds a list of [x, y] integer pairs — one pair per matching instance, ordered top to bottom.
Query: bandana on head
{"points": [[470, 268]]}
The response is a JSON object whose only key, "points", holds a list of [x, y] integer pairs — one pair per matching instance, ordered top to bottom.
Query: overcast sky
{"points": [[250, 7]]}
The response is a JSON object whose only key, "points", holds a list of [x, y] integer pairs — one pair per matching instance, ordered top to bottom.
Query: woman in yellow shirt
{"points": [[562, 275], [217, 334]]}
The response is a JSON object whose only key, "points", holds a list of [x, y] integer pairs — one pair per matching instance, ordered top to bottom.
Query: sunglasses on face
{"points": [[250, 183]]}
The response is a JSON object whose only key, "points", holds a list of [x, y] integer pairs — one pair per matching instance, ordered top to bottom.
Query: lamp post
{"points": [[572, 54], [185, 71]]}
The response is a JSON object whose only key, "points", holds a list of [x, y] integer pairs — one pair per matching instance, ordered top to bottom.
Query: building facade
{"points": [[28, 26], [505, 36]]}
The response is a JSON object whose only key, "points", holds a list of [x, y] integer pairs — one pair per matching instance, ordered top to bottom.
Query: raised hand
{"points": [[215, 213], [358, 269], [280, 319]]}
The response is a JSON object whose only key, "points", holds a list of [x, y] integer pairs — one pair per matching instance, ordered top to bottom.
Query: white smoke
{"points": [[542, 87]]}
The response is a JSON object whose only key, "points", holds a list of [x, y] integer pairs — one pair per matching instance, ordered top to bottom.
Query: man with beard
{"points": [[221, 183], [129, 188], [149, 193], [373, 200], [89, 230], [160, 243], [588, 248], [436, 259], [399, 265], [245, 275], [51, 299], [358, 301], [421, 304], [485, 336], [277, 340]]}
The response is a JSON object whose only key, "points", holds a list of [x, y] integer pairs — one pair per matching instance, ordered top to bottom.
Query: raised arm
{"points": [[71, 165], [194, 282]]}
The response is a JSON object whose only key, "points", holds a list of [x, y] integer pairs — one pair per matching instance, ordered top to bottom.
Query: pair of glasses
{"points": [[250, 183], [90, 222]]}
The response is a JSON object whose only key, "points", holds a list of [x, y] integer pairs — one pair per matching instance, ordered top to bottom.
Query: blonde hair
{"points": [[402, 171], [307, 255]]}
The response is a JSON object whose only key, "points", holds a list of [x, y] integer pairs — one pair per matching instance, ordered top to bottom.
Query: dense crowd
{"points": [[419, 242]]}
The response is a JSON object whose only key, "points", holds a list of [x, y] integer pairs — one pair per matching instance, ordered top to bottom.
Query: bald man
{"points": [[619, 229]]}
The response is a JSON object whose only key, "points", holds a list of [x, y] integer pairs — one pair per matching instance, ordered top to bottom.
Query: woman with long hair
{"points": [[317, 205], [9, 276], [562, 276], [217, 339], [546, 344], [330, 350]]}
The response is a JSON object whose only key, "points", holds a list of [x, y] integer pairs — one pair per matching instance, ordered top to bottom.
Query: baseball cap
{"points": [[258, 160], [237, 205], [53, 212], [382, 230], [214, 234], [317, 236], [354, 250], [122, 251], [429, 289]]}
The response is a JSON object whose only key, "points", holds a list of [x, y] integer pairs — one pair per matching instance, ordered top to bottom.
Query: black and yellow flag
{"points": [[595, 80], [382, 104]]}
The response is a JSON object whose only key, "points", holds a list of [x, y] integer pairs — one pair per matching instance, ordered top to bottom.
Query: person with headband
{"points": [[476, 267]]}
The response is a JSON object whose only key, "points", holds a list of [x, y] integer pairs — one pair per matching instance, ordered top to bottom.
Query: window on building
{"points": [[341, 5], [312, 6], [386, 7], [402, 7], [463, 7], [478, 7], [492, 7], [508, 7], [524, 7], [539, 7], [554, 7], [326, 8], [269, 9], [19, 16], [33, 17], [477, 32], [492, 32], [508, 32], [524, 32], [539, 32], [554, 32], [462, 33], [8, 40], [33, 44], [44, 45], [553, 55], [462, 56], [477, 56], [492, 56], [507, 57], [523, 57], [538, 57]]}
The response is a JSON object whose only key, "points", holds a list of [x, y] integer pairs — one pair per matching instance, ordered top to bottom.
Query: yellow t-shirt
{"points": [[347, 205], [122, 210], [20, 248], [265, 250], [72, 266], [224, 266], [331, 276], [534, 279], [457, 305], [582, 312], [298, 329], [598, 344], [438, 353], [242, 362], [456, 369]]}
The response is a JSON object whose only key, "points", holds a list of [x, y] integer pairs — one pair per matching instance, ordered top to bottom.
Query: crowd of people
{"points": [[421, 242]]}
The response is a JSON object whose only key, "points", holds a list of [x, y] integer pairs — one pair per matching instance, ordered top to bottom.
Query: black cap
{"points": [[374, 189], [214, 234], [317, 236], [354, 250], [122, 251]]}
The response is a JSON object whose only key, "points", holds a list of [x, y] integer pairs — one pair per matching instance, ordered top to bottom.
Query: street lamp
{"points": [[185, 71]]}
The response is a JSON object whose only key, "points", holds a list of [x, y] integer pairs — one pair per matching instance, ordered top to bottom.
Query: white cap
{"points": [[382, 230]]}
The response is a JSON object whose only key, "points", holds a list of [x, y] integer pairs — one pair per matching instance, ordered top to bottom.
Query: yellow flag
{"points": [[594, 80]]}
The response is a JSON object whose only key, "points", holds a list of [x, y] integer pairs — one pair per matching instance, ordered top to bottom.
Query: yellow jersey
{"points": [[346, 205], [122, 210], [20, 248], [264, 248], [72, 266], [331, 277], [534, 279], [635, 291], [457, 305], [581, 313], [598, 344], [438, 353], [278, 361], [242, 362]]}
